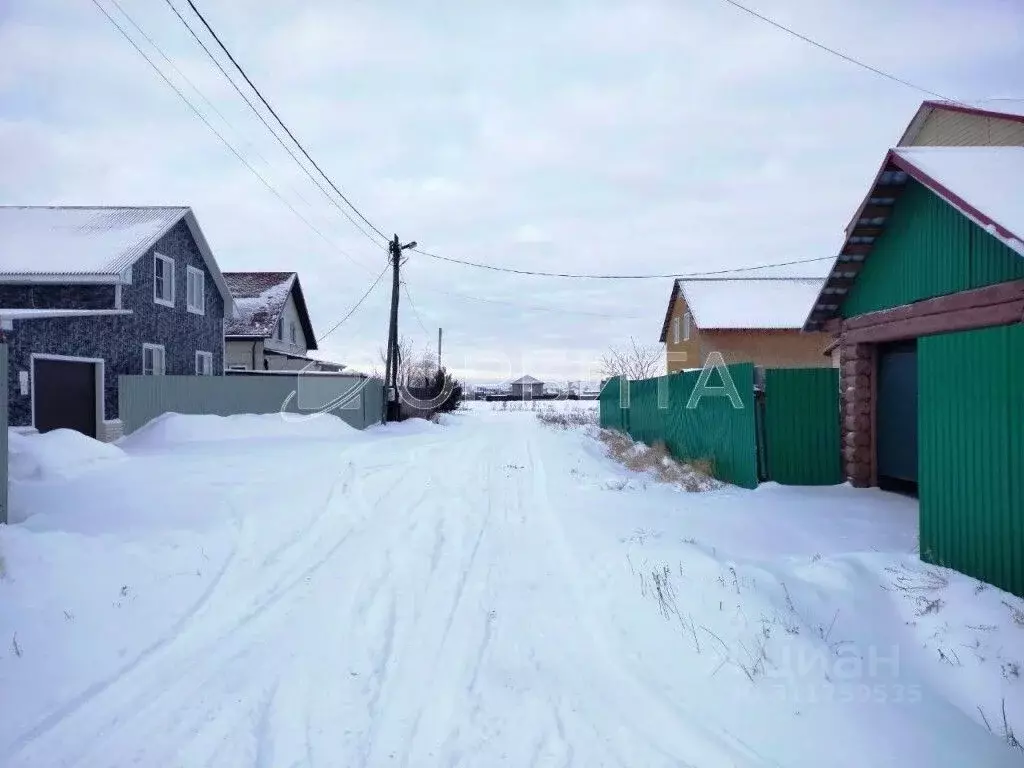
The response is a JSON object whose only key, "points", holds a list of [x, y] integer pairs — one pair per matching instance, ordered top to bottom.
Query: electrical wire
{"points": [[834, 52], [262, 119], [281, 122], [270, 187], [578, 276], [354, 306], [415, 311]]}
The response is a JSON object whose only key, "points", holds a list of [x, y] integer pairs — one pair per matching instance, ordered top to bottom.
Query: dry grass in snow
{"points": [[655, 460]]}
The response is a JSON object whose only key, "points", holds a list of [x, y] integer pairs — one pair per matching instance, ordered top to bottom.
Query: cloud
{"points": [[646, 136]]}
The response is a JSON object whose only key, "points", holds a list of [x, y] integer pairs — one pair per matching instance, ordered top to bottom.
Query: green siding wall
{"points": [[928, 249], [801, 425], [712, 430], [971, 453]]}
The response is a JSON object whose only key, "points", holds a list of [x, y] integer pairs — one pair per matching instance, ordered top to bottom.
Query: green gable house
{"points": [[926, 301]]}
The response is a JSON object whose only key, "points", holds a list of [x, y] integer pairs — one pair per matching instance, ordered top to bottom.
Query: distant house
{"points": [[88, 294], [756, 320], [271, 329], [526, 388]]}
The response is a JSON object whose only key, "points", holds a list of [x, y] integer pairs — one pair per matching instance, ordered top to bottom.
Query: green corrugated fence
{"points": [[715, 429], [801, 438], [971, 453]]}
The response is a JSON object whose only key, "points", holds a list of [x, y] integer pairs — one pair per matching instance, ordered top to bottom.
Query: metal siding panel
{"points": [[928, 249], [145, 397], [3, 433], [802, 435], [972, 453]]}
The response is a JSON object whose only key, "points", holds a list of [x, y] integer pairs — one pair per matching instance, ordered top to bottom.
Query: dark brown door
{"points": [[65, 396], [896, 415]]}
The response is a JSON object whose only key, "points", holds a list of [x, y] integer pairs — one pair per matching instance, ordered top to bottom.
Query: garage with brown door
{"points": [[64, 394]]}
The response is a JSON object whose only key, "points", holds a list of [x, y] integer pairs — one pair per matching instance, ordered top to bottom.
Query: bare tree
{"points": [[405, 357], [633, 360]]}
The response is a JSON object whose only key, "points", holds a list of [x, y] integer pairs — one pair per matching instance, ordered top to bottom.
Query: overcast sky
{"points": [[628, 136]]}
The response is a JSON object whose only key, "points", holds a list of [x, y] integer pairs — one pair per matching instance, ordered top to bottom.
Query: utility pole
{"points": [[390, 407]]}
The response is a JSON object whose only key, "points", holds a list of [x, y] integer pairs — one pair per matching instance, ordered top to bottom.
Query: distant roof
{"points": [[1003, 109], [986, 184], [89, 243], [260, 298], [748, 303], [527, 380]]}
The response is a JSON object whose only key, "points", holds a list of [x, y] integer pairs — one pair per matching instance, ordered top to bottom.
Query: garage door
{"points": [[64, 395], [896, 415]]}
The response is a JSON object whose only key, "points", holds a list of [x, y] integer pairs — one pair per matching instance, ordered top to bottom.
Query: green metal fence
{"points": [[356, 400], [712, 428], [801, 440], [971, 453]]}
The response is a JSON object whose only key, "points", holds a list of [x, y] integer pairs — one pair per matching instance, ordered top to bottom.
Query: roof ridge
{"points": [[97, 207], [737, 279]]}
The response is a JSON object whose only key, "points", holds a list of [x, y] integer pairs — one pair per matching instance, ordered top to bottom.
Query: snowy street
{"points": [[487, 591]]}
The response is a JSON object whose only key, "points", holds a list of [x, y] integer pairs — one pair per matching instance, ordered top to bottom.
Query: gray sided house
{"points": [[88, 294], [271, 329], [526, 388]]}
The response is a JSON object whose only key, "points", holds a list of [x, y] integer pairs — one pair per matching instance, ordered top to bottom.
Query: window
{"points": [[163, 280], [195, 291], [686, 327], [280, 328], [291, 328], [675, 330], [153, 360], [204, 363]]}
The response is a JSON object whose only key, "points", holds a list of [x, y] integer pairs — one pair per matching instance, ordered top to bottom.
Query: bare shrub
{"points": [[694, 476]]}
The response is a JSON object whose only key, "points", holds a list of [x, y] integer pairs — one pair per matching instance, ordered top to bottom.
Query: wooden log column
{"points": [[857, 373]]}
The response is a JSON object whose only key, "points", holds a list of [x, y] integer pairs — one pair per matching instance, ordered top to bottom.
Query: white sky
{"points": [[585, 135]]}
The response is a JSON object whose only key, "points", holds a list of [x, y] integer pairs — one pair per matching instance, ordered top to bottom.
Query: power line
{"points": [[834, 52], [263, 120], [281, 122], [220, 136], [536, 273], [412, 304], [356, 305]]}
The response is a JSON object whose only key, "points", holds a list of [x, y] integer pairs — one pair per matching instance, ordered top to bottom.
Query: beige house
{"points": [[991, 123], [756, 320], [271, 329]]}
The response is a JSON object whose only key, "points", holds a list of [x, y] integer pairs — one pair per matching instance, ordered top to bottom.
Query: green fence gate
{"points": [[801, 438]]}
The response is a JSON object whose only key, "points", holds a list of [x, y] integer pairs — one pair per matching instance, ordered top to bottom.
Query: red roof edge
{"points": [[949, 196]]}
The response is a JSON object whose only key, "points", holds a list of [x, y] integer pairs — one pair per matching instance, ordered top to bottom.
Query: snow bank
{"points": [[176, 428], [57, 455]]}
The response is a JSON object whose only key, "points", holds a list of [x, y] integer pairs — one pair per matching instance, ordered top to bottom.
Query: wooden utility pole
{"points": [[390, 407]]}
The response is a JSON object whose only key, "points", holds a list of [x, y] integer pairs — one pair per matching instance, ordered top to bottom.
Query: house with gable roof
{"points": [[88, 294], [747, 320], [271, 329]]}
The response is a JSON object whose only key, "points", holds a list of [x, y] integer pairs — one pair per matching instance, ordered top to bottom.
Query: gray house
{"points": [[88, 294], [271, 329], [527, 388]]}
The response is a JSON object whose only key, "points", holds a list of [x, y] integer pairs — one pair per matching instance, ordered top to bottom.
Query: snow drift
{"points": [[175, 429], [57, 455]]}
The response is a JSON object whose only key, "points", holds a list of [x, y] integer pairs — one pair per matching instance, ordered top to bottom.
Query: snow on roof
{"points": [[1009, 107], [985, 183], [78, 241], [260, 298], [750, 303], [42, 314], [527, 380]]}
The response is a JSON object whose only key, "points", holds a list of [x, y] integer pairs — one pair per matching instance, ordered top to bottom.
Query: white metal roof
{"points": [[985, 183], [78, 241], [750, 303], [42, 314], [527, 380]]}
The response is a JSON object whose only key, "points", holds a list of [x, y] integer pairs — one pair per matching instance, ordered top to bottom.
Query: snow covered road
{"points": [[415, 596]]}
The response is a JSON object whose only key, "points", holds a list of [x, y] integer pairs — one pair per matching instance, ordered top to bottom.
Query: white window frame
{"points": [[159, 258], [195, 277], [687, 322], [675, 329], [208, 357], [163, 360]]}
